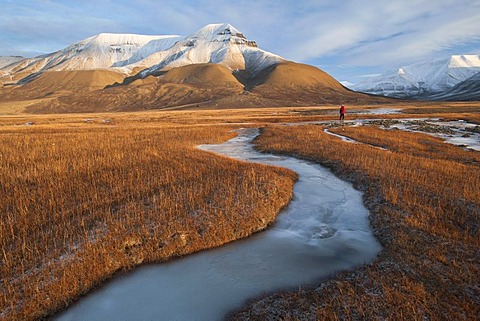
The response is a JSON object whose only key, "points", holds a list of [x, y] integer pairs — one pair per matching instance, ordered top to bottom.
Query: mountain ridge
{"points": [[214, 43], [217, 66], [423, 79], [467, 90]]}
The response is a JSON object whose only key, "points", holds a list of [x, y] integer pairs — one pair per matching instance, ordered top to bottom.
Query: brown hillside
{"points": [[202, 74], [295, 75], [11, 79], [52, 81], [143, 81], [298, 84], [195, 86]]}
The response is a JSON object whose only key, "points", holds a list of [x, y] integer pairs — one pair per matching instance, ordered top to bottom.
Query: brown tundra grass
{"points": [[424, 199], [81, 203]]}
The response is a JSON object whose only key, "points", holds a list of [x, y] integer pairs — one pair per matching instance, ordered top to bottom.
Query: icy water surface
{"points": [[325, 229]]}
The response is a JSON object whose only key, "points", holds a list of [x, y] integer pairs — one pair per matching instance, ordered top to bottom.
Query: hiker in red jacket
{"points": [[342, 112]]}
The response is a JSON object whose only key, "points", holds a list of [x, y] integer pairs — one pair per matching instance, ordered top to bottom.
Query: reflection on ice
{"points": [[378, 111], [456, 132], [459, 132], [323, 230]]}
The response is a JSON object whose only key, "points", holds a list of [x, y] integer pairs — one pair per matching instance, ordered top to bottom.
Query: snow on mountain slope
{"points": [[215, 43], [98, 52], [147, 55], [7, 60], [6, 64], [424, 78], [467, 90]]}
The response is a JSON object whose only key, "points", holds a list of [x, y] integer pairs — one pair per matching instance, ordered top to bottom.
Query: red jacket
{"points": [[342, 110]]}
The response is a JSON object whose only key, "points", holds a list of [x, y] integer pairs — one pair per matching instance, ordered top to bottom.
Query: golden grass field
{"points": [[86, 196], [424, 201], [80, 202]]}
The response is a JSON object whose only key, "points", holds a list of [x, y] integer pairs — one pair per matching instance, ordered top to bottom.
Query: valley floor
{"points": [[422, 194], [425, 211]]}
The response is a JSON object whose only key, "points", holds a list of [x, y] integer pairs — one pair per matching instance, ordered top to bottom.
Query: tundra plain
{"points": [[85, 197]]}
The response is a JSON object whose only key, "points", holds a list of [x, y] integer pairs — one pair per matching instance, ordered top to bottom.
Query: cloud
{"points": [[44, 26], [351, 33], [384, 33], [423, 38]]}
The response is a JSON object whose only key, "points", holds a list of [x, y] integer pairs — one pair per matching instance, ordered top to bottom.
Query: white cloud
{"points": [[349, 32], [383, 33]]}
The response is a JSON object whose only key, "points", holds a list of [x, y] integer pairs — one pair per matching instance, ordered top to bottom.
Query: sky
{"points": [[349, 39]]}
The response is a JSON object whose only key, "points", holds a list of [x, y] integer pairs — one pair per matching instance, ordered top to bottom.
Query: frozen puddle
{"points": [[378, 111], [460, 132], [344, 138], [350, 140], [325, 229]]}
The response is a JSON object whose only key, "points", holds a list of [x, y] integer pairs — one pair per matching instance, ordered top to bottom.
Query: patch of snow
{"points": [[347, 84], [344, 138], [351, 140]]}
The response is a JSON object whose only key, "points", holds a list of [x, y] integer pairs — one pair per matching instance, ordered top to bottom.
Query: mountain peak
{"points": [[216, 28], [217, 32], [219, 43], [464, 61], [423, 78]]}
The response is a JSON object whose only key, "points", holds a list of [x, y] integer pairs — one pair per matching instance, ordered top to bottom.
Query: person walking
{"points": [[342, 113]]}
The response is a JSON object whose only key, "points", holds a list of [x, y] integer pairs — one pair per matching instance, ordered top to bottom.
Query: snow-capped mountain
{"points": [[214, 43], [98, 52], [150, 53], [216, 66], [422, 79], [466, 90]]}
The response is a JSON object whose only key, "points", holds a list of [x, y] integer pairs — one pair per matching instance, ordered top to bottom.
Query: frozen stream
{"points": [[324, 229]]}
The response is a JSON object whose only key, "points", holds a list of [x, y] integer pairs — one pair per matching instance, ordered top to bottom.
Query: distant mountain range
{"points": [[216, 43], [215, 67], [428, 80], [466, 90]]}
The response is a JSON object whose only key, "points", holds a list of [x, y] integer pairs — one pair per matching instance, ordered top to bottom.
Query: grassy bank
{"points": [[83, 197], [81, 202], [425, 210]]}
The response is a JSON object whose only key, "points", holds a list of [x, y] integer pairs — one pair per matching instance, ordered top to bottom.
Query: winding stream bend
{"points": [[324, 229]]}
